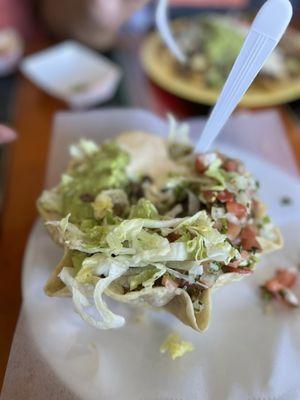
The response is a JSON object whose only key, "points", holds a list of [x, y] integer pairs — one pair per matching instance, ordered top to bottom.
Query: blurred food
{"points": [[93, 22], [212, 43], [11, 50], [280, 286]]}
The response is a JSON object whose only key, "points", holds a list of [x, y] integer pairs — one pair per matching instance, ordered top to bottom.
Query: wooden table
{"points": [[32, 119], [27, 161]]}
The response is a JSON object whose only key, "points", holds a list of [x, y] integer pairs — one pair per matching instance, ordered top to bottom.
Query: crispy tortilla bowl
{"points": [[48, 215], [176, 302]]}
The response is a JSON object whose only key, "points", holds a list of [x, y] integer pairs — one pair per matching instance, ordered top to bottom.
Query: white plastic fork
{"points": [[163, 27], [266, 30]]}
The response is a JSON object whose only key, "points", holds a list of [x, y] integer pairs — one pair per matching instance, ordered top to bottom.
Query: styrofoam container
{"points": [[73, 73]]}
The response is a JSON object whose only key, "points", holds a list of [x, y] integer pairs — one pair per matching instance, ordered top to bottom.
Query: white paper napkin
{"points": [[244, 354]]}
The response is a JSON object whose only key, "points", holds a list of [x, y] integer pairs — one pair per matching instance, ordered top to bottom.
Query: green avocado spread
{"points": [[104, 169]]}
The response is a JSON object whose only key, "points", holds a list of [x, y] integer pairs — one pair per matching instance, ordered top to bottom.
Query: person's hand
{"points": [[209, 3], [114, 13], [94, 22], [6, 134]]}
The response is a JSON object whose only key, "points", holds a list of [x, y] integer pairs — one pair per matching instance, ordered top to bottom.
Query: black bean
{"points": [[87, 197]]}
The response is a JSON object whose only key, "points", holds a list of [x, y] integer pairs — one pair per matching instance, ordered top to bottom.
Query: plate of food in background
{"points": [[211, 43]]}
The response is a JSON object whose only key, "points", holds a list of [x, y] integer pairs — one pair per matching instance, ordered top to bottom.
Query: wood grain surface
{"points": [[33, 112]]}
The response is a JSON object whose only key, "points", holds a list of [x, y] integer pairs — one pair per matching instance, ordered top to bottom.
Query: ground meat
{"points": [[147, 179], [135, 191], [87, 197], [185, 205], [118, 209], [173, 236], [193, 289]]}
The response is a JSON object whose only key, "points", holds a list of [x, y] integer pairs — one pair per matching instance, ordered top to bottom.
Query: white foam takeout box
{"points": [[73, 73]]}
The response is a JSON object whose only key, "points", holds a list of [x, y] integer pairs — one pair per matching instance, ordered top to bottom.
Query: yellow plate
{"points": [[159, 65]]}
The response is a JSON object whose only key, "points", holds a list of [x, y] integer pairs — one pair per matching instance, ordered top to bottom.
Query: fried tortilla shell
{"points": [[147, 151], [48, 215], [54, 286], [177, 301]]}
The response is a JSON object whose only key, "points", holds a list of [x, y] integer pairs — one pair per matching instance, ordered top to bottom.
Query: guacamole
{"points": [[104, 169]]}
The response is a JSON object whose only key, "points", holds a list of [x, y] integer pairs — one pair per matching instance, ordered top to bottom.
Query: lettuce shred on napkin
{"points": [[175, 347]]}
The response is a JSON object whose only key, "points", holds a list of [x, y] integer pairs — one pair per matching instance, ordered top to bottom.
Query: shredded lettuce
{"points": [[178, 133], [179, 144], [83, 149], [214, 171], [65, 180], [108, 199], [51, 200], [102, 205], [143, 209], [63, 223], [125, 231], [122, 233], [75, 239], [205, 242], [136, 243], [149, 246], [167, 252], [146, 278], [82, 298], [175, 346]]}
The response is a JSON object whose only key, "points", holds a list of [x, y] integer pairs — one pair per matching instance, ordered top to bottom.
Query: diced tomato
{"points": [[203, 161], [200, 164], [230, 165], [209, 195], [225, 196], [255, 205], [239, 210], [233, 230], [248, 232], [172, 237], [248, 238], [250, 244], [244, 255], [234, 264], [238, 270], [286, 277], [168, 282], [273, 285], [279, 286]]}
